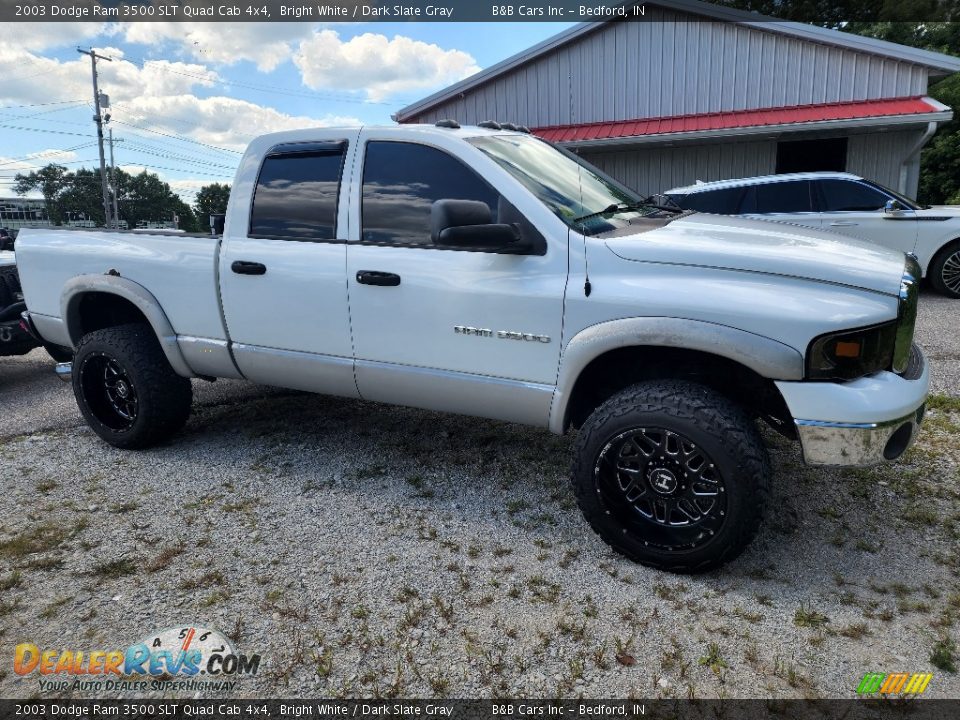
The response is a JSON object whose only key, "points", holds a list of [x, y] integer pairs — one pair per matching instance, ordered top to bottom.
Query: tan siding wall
{"points": [[650, 169], [655, 169]]}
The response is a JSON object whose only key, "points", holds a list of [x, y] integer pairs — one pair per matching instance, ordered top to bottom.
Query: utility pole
{"points": [[98, 119], [113, 184]]}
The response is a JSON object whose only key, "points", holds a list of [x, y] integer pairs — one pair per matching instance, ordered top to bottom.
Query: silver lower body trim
{"points": [[516, 401], [857, 444]]}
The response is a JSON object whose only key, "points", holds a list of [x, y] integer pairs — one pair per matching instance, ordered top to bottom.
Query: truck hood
{"points": [[763, 246]]}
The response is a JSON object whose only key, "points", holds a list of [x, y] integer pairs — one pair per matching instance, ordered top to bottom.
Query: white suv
{"points": [[846, 204]]}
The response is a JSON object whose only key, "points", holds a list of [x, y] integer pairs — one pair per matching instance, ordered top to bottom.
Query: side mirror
{"points": [[892, 206], [468, 224]]}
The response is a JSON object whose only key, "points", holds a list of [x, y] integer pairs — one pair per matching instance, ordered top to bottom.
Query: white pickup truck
{"points": [[479, 270]]}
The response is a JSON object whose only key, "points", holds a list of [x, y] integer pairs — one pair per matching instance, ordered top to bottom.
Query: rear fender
{"points": [[141, 298]]}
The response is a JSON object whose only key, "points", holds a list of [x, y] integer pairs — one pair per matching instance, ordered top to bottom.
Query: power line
{"points": [[59, 102], [41, 130], [177, 137], [137, 149], [39, 156], [147, 166], [40, 167]]}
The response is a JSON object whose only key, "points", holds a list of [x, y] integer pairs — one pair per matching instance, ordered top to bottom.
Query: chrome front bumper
{"points": [[848, 423], [831, 443]]}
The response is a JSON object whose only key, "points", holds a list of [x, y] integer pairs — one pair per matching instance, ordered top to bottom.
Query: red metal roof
{"points": [[737, 119]]}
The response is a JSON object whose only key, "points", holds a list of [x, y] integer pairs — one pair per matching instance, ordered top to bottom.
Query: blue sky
{"points": [[186, 97]]}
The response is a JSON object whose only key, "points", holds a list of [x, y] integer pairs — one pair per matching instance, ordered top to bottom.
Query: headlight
{"points": [[907, 317], [852, 353]]}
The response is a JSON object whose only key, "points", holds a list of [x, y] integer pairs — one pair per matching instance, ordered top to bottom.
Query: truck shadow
{"points": [[837, 530]]}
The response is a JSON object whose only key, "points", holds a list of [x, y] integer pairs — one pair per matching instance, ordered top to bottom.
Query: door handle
{"points": [[843, 224], [245, 267], [375, 277]]}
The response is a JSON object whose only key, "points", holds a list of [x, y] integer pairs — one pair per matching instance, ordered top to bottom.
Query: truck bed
{"points": [[179, 269]]}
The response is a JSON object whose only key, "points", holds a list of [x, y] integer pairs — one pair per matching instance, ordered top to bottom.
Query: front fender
{"points": [[139, 296], [768, 358]]}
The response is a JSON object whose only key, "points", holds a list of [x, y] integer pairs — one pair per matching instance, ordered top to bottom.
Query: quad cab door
{"points": [[859, 210], [282, 280], [459, 330]]}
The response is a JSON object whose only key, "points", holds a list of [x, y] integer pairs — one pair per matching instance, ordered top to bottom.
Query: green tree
{"points": [[926, 24], [940, 159], [51, 180], [142, 197], [211, 199]]}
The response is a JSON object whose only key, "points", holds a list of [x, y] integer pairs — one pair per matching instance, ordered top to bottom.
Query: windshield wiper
{"points": [[663, 202], [615, 208]]}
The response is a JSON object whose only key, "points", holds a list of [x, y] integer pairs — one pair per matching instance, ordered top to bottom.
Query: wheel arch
{"points": [[940, 250], [95, 302], [604, 359]]}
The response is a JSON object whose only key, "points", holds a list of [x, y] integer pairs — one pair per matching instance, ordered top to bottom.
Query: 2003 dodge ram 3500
{"points": [[485, 272]]}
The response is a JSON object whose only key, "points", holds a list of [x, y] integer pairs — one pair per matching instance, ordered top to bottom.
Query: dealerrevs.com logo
{"points": [[184, 658]]}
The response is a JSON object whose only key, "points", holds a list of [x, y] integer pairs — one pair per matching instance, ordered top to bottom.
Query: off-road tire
{"points": [[935, 271], [163, 397], [711, 421]]}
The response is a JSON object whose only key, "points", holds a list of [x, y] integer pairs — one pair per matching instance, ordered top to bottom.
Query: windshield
{"points": [[577, 194]]}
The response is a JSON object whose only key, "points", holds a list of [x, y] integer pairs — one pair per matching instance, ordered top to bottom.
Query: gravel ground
{"points": [[366, 550]]}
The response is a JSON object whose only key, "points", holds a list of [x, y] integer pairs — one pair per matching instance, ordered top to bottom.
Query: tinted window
{"points": [[401, 181], [570, 187], [843, 195], [296, 196], [785, 197], [721, 202]]}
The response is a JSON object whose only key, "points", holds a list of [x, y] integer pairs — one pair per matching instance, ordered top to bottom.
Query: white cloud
{"points": [[43, 35], [265, 44], [379, 65], [121, 79], [158, 94], [221, 121], [52, 156]]}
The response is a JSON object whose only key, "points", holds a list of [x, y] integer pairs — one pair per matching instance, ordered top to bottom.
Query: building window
{"points": [[812, 155]]}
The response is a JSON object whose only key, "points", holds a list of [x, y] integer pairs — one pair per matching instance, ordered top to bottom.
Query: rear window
{"points": [[296, 194], [778, 197], [719, 202]]}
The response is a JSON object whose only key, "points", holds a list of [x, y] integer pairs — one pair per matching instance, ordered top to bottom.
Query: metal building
{"points": [[693, 91]]}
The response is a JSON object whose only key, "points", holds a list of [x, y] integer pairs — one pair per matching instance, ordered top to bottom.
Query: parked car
{"points": [[846, 204], [6, 240], [484, 272], [14, 337]]}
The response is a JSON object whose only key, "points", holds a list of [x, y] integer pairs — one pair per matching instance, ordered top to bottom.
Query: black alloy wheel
{"points": [[109, 391], [663, 486]]}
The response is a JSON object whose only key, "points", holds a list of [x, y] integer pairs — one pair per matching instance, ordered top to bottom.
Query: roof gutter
{"points": [[754, 130], [912, 156]]}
